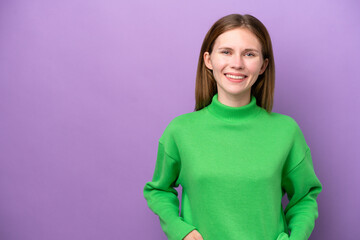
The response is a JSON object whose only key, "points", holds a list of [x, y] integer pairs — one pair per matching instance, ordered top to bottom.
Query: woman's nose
{"points": [[237, 62]]}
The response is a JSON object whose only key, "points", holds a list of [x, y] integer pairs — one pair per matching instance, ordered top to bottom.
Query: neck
{"points": [[234, 101], [233, 114]]}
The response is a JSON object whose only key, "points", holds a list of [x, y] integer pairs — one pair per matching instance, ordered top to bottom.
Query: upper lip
{"points": [[236, 74]]}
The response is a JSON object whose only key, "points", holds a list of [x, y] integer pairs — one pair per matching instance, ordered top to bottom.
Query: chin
{"points": [[236, 91]]}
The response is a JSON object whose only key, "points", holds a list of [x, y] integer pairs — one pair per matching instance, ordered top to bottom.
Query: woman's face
{"points": [[236, 61]]}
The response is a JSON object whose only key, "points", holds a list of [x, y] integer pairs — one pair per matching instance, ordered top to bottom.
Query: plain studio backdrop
{"points": [[88, 87]]}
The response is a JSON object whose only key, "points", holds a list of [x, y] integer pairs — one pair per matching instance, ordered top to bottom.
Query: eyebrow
{"points": [[246, 50]]}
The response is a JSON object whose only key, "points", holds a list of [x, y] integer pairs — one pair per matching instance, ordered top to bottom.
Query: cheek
{"points": [[219, 64], [254, 67]]}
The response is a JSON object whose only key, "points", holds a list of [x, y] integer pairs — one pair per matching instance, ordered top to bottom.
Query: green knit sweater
{"points": [[234, 165]]}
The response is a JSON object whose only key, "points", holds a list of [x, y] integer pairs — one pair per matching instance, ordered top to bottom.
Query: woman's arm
{"points": [[302, 187], [162, 197]]}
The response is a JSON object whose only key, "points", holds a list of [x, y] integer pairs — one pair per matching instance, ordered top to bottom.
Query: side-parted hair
{"points": [[263, 88]]}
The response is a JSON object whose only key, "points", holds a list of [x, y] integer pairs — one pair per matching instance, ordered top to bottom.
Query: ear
{"points": [[207, 60], [264, 66]]}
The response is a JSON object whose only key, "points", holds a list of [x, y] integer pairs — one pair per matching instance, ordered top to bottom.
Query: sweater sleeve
{"points": [[302, 188], [162, 197]]}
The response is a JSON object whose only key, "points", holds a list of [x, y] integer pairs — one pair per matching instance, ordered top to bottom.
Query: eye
{"points": [[226, 52], [250, 54]]}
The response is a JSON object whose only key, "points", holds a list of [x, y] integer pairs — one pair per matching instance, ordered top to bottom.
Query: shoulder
{"points": [[185, 120], [282, 120], [182, 122], [282, 123], [292, 128], [171, 136]]}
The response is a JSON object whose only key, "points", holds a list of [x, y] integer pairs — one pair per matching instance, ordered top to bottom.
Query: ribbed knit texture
{"points": [[234, 165]]}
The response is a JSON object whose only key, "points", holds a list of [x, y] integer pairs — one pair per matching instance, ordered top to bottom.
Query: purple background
{"points": [[87, 88]]}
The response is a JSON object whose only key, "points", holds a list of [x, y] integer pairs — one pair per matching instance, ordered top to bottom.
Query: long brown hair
{"points": [[263, 88]]}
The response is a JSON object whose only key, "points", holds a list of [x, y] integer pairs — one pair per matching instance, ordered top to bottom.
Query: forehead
{"points": [[238, 38]]}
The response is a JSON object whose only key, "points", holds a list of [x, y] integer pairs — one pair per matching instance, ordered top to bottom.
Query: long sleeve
{"points": [[302, 188], [162, 197]]}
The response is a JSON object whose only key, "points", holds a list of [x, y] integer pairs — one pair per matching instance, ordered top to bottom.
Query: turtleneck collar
{"points": [[234, 114]]}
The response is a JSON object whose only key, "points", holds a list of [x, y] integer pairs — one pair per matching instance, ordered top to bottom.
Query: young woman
{"points": [[234, 158]]}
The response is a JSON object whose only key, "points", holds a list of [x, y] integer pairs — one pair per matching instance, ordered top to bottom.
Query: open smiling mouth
{"points": [[236, 78]]}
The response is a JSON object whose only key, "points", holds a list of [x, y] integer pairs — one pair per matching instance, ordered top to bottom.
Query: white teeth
{"points": [[235, 77]]}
